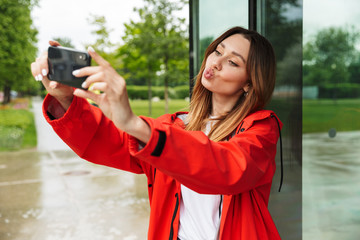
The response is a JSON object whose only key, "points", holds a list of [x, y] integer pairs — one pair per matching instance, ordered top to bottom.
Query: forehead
{"points": [[237, 43]]}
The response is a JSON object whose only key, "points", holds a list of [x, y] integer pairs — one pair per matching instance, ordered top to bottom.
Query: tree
{"points": [[161, 40], [65, 42], [17, 46], [103, 46], [328, 56], [138, 61], [354, 70]]}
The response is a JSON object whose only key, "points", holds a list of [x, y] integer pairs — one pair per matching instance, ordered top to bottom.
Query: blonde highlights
{"points": [[261, 69]]}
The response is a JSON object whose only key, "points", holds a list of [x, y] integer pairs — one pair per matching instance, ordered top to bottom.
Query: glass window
{"points": [[215, 17], [281, 23], [331, 119]]}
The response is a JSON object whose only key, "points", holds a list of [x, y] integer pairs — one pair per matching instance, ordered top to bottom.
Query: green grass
{"points": [[141, 107], [323, 114], [17, 127]]}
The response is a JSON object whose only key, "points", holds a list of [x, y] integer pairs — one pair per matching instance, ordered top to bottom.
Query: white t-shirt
{"points": [[199, 213]]}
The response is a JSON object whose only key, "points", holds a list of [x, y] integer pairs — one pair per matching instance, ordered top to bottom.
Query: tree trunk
{"points": [[166, 85], [166, 95], [7, 96], [149, 96]]}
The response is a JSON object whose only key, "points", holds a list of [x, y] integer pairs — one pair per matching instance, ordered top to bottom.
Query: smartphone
{"points": [[63, 61]]}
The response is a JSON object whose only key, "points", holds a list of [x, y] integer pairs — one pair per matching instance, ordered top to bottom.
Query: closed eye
{"points": [[217, 52], [233, 63]]}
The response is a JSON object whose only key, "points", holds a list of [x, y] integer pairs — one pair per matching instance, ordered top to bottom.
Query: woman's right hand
{"points": [[40, 69]]}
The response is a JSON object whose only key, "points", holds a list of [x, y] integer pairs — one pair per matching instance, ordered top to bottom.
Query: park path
{"points": [[47, 140]]}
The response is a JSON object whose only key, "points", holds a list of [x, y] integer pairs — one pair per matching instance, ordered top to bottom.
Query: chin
{"points": [[206, 84]]}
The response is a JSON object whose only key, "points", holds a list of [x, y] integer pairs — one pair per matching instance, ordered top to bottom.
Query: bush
{"points": [[340, 90], [141, 92], [182, 92]]}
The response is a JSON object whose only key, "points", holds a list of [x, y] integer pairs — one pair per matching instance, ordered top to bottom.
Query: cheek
{"points": [[238, 77]]}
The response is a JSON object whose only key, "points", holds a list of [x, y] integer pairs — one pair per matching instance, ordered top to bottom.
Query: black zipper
{"points": [[221, 199], [174, 216]]}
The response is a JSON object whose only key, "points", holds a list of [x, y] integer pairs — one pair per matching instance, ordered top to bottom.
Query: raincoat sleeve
{"points": [[90, 134], [245, 162]]}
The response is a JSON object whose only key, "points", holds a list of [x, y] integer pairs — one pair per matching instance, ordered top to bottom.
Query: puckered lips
{"points": [[209, 73]]}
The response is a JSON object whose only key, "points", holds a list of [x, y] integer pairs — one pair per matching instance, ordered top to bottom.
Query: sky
{"points": [[321, 14], [68, 18]]}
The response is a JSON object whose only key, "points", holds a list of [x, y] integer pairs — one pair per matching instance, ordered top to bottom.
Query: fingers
{"points": [[54, 43], [97, 58], [39, 68], [53, 84], [101, 86], [86, 94]]}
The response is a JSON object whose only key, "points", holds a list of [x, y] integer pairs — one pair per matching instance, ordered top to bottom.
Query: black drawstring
{"points": [[281, 154]]}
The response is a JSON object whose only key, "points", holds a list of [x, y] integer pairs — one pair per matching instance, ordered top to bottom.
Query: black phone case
{"points": [[63, 61]]}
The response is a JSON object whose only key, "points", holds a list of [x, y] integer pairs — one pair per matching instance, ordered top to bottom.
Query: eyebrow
{"points": [[235, 53]]}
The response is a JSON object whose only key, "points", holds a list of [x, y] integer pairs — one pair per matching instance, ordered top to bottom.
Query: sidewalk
{"points": [[331, 186], [49, 193]]}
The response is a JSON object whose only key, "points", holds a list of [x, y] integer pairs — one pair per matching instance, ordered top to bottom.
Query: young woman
{"points": [[209, 170]]}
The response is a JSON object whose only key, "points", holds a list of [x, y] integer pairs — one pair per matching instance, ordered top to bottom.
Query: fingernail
{"points": [[90, 49], [44, 72], [76, 72], [40, 77], [36, 78], [52, 85], [84, 85]]}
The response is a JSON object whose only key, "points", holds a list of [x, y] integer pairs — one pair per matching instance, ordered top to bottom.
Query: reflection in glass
{"points": [[217, 17], [281, 23], [331, 119]]}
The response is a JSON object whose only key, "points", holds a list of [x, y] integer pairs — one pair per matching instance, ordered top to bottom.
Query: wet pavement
{"points": [[331, 186], [49, 193]]}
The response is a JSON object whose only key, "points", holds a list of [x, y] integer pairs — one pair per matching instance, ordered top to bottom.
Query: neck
{"points": [[222, 104]]}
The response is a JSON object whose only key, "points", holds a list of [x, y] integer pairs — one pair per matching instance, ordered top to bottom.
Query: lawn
{"points": [[141, 107], [324, 114], [17, 126]]}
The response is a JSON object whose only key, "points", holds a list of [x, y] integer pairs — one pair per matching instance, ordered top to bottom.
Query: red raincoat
{"points": [[241, 169]]}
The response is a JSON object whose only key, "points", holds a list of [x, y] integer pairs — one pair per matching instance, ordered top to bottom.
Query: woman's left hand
{"points": [[113, 99]]}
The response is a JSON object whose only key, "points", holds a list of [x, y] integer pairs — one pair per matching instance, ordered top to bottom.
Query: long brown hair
{"points": [[261, 69]]}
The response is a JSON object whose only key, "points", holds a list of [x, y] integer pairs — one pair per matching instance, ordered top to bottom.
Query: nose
{"points": [[217, 63]]}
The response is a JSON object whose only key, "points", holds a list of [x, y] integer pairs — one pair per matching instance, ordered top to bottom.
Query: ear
{"points": [[246, 88]]}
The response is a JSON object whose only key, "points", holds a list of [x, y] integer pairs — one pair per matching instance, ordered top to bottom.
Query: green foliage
{"points": [[65, 42], [102, 43], [17, 46], [103, 46], [156, 47], [327, 59], [354, 70], [341, 90], [181, 92]]}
